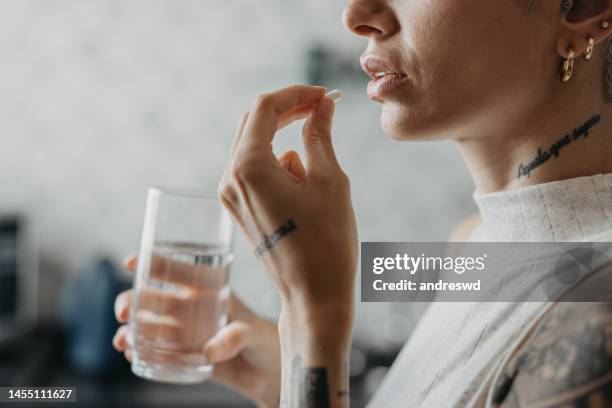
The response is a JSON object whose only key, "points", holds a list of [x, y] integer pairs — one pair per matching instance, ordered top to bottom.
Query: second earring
{"points": [[590, 47], [568, 67]]}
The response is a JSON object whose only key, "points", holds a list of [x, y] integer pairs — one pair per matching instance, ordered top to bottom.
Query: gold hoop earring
{"points": [[589, 51], [568, 66]]}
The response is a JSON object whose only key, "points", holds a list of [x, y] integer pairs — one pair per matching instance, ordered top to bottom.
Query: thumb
{"points": [[316, 135], [228, 342]]}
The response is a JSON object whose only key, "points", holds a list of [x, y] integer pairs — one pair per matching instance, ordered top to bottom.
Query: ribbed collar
{"points": [[567, 210]]}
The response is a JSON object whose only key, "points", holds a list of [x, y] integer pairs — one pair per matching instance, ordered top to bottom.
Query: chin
{"points": [[402, 124]]}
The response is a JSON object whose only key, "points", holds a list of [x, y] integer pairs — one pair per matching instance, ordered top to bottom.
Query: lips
{"points": [[386, 77]]}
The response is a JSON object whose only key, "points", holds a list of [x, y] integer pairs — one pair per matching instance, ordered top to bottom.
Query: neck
{"points": [[566, 135]]}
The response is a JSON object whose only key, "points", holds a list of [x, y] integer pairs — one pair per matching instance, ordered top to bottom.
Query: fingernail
{"points": [[130, 261], [120, 308], [123, 314], [116, 342], [121, 343]]}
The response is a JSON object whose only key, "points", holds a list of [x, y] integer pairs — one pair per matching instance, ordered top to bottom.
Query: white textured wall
{"points": [[100, 99]]}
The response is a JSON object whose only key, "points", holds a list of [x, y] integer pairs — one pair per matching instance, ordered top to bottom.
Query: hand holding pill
{"points": [[294, 214]]}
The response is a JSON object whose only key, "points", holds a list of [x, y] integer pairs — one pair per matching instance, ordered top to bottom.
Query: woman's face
{"points": [[453, 68]]}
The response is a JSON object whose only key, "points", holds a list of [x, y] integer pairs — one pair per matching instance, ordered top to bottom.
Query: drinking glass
{"points": [[181, 285]]}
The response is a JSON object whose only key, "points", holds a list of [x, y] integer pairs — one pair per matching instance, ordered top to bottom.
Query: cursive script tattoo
{"points": [[528, 6], [554, 151], [269, 241], [567, 362]]}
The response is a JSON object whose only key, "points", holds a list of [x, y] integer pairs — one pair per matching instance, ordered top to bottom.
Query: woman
{"points": [[506, 80]]}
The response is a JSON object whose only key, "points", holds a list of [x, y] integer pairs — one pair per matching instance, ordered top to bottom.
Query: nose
{"points": [[370, 18]]}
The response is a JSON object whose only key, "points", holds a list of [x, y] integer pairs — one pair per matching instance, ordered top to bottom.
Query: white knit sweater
{"points": [[453, 356]]}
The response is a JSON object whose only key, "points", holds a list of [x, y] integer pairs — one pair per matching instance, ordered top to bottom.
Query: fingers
{"points": [[269, 108], [293, 115], [284, 120], [318, 127], [316, 135], [236, 141], [293, 164], [130, 262], [179, 273], [166, 303], [122, 306], [180, 306], [236, 308], [171, 317], [150, 325], [158, 328], [166, 330], [183, 335], [234, 337], [120, 342], [228, 342], [128, 354]]}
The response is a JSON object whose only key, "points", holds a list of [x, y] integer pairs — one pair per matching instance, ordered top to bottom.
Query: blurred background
{"points": [[100, 99]]}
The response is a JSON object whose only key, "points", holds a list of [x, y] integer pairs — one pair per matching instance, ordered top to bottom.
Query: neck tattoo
{"points": [[542, 156]]}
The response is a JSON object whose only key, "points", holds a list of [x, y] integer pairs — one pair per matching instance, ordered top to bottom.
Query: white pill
{"points": [[334, 95]]}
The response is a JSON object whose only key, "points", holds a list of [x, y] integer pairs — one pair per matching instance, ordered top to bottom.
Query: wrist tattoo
{"points": [[554, 151], [269, 241], [310, 385]]}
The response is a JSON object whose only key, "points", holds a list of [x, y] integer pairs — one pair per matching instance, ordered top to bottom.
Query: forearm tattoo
{"points": [[542, 156], [269, 241], [567, 363]]}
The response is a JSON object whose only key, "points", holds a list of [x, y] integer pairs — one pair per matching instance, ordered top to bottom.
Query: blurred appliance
{"points": [[18, 278]]}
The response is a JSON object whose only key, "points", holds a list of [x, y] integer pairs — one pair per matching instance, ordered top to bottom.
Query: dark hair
{"points": [[607, 69]]}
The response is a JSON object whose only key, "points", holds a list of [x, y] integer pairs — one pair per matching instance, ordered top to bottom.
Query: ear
{"points": [[583, 20]]}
